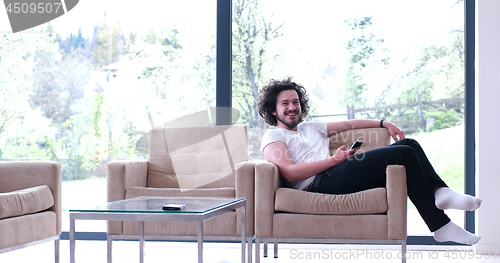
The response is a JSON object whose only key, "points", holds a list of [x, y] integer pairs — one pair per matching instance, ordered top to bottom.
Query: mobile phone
{"points": [[356, 144], [173, 207]]}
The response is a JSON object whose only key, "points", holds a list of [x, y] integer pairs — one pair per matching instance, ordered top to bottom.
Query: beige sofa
{"points": [[200, 162], [30, 204], [372, 216]]}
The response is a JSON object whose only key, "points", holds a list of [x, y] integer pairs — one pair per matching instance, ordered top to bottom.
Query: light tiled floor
{"points": [[127, 251]]}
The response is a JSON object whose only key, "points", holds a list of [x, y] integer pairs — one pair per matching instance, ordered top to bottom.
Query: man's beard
{"points": [[293, 123]]}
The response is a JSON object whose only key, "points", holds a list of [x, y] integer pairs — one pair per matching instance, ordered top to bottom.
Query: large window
{"points": [[402, 61], [84, 88]]}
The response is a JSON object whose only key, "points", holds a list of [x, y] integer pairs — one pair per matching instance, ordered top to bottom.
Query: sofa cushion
{"points": [[189, 158], [132, 192], [25, 201], [370, 201], [222, 225], [286, 225], [24, 229]]}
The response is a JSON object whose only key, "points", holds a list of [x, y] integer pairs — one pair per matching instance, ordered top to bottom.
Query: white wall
{"points": [[488, 123]]}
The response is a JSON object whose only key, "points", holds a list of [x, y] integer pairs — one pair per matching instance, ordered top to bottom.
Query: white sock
{"points": [[449, 199], [452, 232]]}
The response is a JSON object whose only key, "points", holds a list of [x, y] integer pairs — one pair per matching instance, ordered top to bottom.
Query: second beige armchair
{"points": [[199, 162], [30, 204], [371, 216]]}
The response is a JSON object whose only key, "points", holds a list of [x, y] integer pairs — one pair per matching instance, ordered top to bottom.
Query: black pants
{"points": [[368, 170]]}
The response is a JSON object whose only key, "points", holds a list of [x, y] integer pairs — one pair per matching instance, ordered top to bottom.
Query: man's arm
{"points": [[340, 126], [277, 153]]}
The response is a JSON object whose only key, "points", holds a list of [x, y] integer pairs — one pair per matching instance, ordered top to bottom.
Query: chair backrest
{"points": [[372, 138], [201, 157]]}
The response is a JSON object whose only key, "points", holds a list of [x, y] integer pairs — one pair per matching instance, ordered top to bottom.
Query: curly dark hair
{"points": [[269, 93]]}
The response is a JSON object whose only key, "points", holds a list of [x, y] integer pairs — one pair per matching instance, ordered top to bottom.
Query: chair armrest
{"points": [[124, 174], [17, 175], [121, 175], [267, 181], [245, 187], [396, 201]]}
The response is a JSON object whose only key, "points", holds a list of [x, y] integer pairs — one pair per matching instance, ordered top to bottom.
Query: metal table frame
{"points": [[145, 216]]}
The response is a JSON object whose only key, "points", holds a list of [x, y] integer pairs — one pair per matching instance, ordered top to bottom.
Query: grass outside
{"points": [[444, 148], [84, 194]]}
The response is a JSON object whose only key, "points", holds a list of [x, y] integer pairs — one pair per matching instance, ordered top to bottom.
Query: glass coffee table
{"points": [[150, 208]]}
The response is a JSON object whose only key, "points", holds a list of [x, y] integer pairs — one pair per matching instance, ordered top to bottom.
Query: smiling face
{"points": [[288, 112]]}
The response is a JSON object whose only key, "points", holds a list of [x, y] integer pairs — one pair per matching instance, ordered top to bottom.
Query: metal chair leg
{"points": [[56, 248], [249, 248], [110, 249], [265, 249], [275, 249], [257, 250], [403, 251]]}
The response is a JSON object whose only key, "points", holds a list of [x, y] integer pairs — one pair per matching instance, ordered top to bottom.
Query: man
{"points": [[300, 150]]}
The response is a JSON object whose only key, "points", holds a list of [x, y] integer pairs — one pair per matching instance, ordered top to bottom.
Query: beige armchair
{"points": [[199, 162], [30, 204], [373, 216]]}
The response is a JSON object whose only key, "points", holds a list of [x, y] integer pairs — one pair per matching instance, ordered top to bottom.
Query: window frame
{"points": [[224, 95], [224, 99]]}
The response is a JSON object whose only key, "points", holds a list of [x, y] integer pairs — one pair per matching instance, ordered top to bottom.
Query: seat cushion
{"points": [[132, 192], [26, 201], [370, 201], [222, 225], [286, 225], [24, 229]]}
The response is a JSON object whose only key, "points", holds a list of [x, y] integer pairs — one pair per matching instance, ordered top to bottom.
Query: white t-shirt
{"points": [[308, 144]]}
